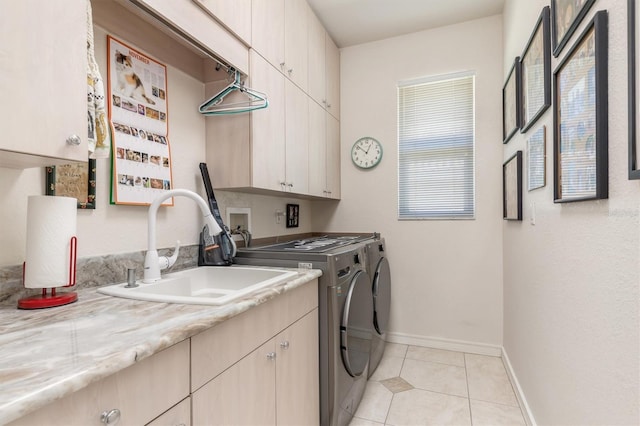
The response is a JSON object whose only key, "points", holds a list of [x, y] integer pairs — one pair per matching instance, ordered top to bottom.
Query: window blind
{"points": [[436, 173]]}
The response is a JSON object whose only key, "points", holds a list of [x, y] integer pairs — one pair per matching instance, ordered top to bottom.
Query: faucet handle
{"points": [[167, 262]]}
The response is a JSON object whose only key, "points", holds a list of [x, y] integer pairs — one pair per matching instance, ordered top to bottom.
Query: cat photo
{"points": [[129, 84]]}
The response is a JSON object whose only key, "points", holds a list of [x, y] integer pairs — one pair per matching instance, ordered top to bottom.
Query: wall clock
{"points": [[366, 153]]}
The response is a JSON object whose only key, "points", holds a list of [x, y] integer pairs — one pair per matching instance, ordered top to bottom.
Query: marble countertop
{"points": [[47, 354]]}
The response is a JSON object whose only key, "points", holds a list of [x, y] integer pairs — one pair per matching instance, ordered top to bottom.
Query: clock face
{"points": [[366, 153]]}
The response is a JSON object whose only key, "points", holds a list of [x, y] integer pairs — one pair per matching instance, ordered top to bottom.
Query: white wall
{"points": [[116, 228], [446, 275], [571, 280]]}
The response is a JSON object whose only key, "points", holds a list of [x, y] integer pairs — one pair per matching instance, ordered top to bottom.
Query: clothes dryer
{"points": [[380, 273], [344, 314]]}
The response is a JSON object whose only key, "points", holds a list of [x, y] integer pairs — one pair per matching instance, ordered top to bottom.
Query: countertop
{"points": [[47, 354]]}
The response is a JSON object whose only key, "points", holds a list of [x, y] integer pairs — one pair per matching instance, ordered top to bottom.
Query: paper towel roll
{"points": [[51, 222]]}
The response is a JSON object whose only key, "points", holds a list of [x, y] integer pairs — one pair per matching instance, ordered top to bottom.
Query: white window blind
{"points": [[436, 121]]}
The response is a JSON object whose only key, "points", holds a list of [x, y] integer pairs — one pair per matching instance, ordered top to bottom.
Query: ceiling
{"points": [[351, 22]]}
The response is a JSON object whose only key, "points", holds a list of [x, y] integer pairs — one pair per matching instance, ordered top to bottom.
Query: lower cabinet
{"points": [[259, 368], [276, 384], [133, 396]]}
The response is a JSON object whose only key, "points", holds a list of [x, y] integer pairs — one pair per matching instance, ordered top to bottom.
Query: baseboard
{"points": [[447, 344], [526, 411]]}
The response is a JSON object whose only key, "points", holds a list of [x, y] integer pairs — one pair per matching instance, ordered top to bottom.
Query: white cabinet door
{"points": [[235, 15], [188, 19], [267, 30], [295, 42], [316, 49], [332, 77], [43, 82], [268, 127], [297, 139], [317, 150], [324, 153], [333, 157], [297, 378], [140, 393], [242, 395]]}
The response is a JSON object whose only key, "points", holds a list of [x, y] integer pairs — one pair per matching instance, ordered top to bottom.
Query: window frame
{"points": [[442, 214]]}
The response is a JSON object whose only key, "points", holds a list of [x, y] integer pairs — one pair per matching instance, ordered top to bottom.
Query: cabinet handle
{"points": [[282, 66], [290, 71], [324, 101], [328, 105], [74, 140], [282, 185], [290, 185], [284, 345], [271, 356], [110, 417]]}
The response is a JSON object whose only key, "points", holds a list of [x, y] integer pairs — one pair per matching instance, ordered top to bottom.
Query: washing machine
{"points": [[380, 274], [345, 309]]}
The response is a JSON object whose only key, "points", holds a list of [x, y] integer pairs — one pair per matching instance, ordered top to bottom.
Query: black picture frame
{"points": [[566, 15], [633, 66], [535, 73], [511, 102], [580, 119], [537, 159], [77, 180], [512, 187], [293, 215]]}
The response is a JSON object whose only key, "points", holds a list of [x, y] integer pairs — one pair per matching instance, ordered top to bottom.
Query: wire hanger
{"points": [[216, 105]]}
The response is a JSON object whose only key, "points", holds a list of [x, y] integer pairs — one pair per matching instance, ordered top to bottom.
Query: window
{"points": [[436, 120]]}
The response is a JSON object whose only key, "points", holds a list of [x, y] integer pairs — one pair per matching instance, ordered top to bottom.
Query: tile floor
{"points": [[423, 386]]}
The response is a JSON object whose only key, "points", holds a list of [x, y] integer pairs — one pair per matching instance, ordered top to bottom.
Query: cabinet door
{"points": [[235, 15], [188, 19], [267, 30], [295, 42], [332, 77], [317, 79], [44, 92], [268, 127], [297, 139], [317, 150], [333, 157], [297, 374], [140, 392], [243, 395]]}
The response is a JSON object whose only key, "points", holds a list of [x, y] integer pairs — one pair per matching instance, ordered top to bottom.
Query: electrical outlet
{"points": [[279, 216]]}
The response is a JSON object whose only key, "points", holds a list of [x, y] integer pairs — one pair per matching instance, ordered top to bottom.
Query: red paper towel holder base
{"points": [[50, 300]]}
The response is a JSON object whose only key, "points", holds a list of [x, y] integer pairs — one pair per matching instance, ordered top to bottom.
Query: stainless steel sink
{"points": [[207, 285]]}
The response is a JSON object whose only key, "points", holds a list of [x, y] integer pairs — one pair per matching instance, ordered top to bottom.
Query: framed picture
{"points": [[566, 16], [535, 71], [634, 97], [511, 102], [580, 141], [536, 158], [77, 180], [512, 188], [293, 215]]}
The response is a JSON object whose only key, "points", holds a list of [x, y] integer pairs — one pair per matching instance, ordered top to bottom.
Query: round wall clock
{"points": [[366, 153]]}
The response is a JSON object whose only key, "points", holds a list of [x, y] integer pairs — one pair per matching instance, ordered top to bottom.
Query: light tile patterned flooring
{"points": [[423, 386]]}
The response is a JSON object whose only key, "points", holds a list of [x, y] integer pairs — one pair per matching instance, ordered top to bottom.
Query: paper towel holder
{"points": [[50, 300]]}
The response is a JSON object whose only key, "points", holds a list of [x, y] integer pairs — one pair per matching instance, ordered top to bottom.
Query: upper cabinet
{"points": [[235, 15], [197, 27], [279, 33], [324, 67], [332, 77], [43, 107], [268, 148]]}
